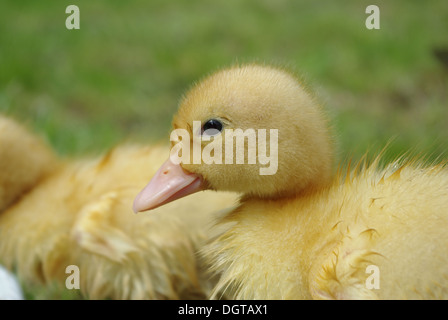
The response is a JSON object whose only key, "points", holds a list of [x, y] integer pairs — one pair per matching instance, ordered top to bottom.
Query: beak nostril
{"points": [[169, 183]]}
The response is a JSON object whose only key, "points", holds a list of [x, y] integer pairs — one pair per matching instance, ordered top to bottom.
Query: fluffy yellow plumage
{"points": [[303, 233], [320, 245]]}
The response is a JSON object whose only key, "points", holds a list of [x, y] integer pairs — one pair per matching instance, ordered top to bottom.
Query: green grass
{"points": [[120, 76], [50, 291]]}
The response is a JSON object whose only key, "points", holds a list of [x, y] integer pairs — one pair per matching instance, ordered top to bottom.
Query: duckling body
{"points": [[78, 212], [305, 232], [321, 245]]}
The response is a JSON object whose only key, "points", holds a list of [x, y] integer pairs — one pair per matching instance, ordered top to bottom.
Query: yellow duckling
{"points": [[56, 213], [302, 232]]}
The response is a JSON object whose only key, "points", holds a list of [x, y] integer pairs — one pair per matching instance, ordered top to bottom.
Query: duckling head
{"points": [[261, 113]]}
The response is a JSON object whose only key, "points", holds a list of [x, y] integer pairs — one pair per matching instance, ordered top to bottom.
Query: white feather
{"points": [[9, 286]]}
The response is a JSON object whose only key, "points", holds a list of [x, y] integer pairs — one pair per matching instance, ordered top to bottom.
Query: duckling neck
{"points": [[291, 194], [269, 242]]}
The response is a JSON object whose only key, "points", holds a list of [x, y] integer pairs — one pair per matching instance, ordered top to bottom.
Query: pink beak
{"points": [[169, 183]]}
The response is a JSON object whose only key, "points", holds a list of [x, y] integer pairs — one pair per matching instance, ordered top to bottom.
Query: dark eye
{"points": [[212, 127]]}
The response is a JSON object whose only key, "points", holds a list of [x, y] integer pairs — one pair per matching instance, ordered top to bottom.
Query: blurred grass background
{"points": [[121, 75], [119, 78]]}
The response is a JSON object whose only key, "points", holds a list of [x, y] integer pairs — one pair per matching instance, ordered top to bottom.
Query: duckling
{"points": [[58, 213], [306, 232]]}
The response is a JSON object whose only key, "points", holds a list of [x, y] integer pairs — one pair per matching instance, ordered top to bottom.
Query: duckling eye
{"points": [[212, 127]]}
